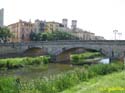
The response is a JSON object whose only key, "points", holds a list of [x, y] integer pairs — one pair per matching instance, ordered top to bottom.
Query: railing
{"points": [[57, 41]]}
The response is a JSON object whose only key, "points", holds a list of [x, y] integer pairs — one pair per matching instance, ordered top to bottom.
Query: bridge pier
{"points": [[61, 58]]}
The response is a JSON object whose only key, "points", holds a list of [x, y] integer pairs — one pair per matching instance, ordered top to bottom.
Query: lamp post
{"points": [[115, 32], [119, 35]]}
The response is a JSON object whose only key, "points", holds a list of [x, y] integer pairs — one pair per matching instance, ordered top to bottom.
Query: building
{"points": [[1, 17], [65, 22], [74, 24], [39, 26], [53, 26], [21, 31], [82, 34], [99, 38]]}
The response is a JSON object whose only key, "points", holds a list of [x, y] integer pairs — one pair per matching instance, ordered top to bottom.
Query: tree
{"points": [[4, 34], [56, 35], [33, 36]]}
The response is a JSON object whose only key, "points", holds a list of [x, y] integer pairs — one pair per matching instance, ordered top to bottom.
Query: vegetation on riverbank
{"points": [[84, 57], [11, 63], [62, 81], [112, 83]]}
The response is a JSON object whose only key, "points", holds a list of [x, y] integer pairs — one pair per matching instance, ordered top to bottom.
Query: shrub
{"points": [[75, 58], [45, 60], [11, 63], [8, 85]]}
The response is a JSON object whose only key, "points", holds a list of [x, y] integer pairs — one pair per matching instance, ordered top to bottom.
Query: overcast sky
{"points": [[98, 16]]}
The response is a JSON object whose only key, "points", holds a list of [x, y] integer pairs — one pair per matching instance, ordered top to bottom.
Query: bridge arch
{"points": [[34, 51], [64, 55]]}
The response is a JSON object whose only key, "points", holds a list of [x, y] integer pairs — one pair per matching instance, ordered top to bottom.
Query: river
{"points": [[34, 72]]}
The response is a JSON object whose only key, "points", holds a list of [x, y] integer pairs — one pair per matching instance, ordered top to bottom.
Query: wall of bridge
{"points": [[108, 47]]}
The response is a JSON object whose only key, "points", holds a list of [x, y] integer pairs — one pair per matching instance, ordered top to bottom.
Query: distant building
{"points": [[1, 17], [65, 22], [74, 24], [39, 26], [53, 26], [21, 31], [83, 35], [99, 38]]}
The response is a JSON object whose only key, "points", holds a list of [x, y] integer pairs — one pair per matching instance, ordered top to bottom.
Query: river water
{"points": [[105, 61], [37, 71]]}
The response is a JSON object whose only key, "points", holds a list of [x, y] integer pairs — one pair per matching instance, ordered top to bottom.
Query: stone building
{"points": [[65, 22], [39, 26], [53, 26], [21, 31]]}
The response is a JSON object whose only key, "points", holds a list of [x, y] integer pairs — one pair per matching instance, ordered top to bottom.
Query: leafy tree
{"points": [[4, 34], [56, 35], [33, 36]]}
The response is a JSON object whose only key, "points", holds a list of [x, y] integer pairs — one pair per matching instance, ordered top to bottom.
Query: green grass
{"points": [[62, 81], [102, 84]]}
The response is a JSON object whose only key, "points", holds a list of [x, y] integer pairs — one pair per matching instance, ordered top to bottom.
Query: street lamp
{"points": [[115, 32], [119, 35]]}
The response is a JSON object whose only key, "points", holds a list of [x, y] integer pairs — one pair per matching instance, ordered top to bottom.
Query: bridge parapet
{"points": [[109, 47]]}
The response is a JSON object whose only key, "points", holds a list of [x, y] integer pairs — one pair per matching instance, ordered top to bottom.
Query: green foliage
{"points": [[5, 34], [56, 35], [75, 58], [82, 58], [11, 63], [103, 69], [62, 81], [59, 82], [112, 83], [8, 85]]}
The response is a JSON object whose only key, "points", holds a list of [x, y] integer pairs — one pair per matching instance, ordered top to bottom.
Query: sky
{"points": [[98, 16]]}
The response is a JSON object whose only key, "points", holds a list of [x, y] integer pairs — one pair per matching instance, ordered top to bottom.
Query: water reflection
{"points": [[105, 61], [37, 71]]}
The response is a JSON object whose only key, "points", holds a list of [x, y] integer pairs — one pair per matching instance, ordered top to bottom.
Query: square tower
{"points": [[1, 17]]}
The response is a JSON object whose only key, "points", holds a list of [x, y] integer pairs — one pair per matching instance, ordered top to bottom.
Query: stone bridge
{"points": [[61, 50]]}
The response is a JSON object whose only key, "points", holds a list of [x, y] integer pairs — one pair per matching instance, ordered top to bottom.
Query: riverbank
{"points": [[14, 63], [59, 82], [112, 83]]}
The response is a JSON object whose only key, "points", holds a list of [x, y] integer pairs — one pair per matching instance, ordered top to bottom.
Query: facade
{"points": [[1, 17], [65, 22], [74, 24], [39, 26], [53, 26], [21, 31], [83, 35], [99, 38]]}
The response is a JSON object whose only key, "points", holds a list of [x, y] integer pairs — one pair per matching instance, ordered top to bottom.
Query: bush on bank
{"points": [[81, 58], [11, 63], [62, 81]]}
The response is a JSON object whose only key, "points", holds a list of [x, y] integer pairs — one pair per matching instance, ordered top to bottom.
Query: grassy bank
{"points": [[84, 57], [11, 63], [62, 81], [112, 83]]}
